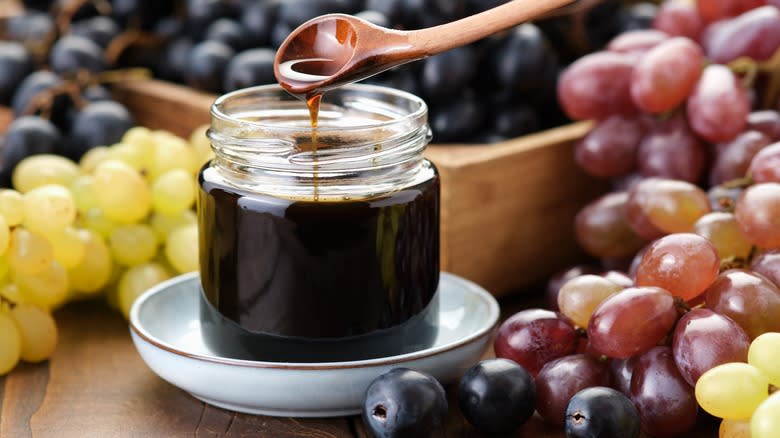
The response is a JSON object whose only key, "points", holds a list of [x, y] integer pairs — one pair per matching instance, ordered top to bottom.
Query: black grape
{"points": [[295, 12], [141, 13], [375, 17], [258, 19], [30, 27], [100, 30], [229, 32], [71, 54], [524, 61], [174, 62], [207, 63], [15, 64], [250, 67], [448, 73], [31, 86], [457, 120], [100, 123], [28, 135]]}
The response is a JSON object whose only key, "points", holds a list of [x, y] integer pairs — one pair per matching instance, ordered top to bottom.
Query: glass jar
{"points": [[319, 244]]}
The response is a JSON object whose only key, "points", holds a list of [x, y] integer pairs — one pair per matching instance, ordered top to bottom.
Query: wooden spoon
{"points": [[336, 49]]}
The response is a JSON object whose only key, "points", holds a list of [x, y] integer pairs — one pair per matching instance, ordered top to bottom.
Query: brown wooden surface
{"points": [[507, 209], [96, 385]]}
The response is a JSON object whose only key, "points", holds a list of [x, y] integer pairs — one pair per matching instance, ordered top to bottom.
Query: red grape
{"points": [[712, 10], [679, 18], [754, 34], [636, 41], [665, 75], [597, 86], [718, 105], [766, 122], [610, 148], [671, 150], [732, 159], [765, 165], [657, 206], [758, 214], [602, 230], [722, 230], [685, 264], [768, 265], [618, 277], [581, 295], [749, 299], [631, 321], [534, 337], [704, 339], [620, 372], [560, 379], [666, 403]]}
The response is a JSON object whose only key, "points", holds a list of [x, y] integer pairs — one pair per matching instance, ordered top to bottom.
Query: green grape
{"points": [[143, 142], [201, 145], [171, 153], [128, 154], [93, 157], [44, 169], [83, 192], [121, 192], [173, 192], [11, 207], [48, 209], [95, 220], [163, 224], [722, 230], [5, 235], [132, 244], [68, 247], [181, 248], [29, 253], [4, 270], [94, 271], [137, 280], [47, 289], [112, 289], [11, 292], [580, 296], [38, 331], [10, 344], [764, 354], [732, 391], [765, 422], [734, 429]]}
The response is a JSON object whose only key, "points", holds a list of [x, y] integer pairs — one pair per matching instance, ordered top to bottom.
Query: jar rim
{"points": [[420, 108]]}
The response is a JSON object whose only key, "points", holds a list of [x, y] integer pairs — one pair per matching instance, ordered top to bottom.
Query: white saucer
{"points": [[165, 328]]}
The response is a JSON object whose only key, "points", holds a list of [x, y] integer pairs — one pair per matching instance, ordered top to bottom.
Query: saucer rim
{"points": [[489, 327]]}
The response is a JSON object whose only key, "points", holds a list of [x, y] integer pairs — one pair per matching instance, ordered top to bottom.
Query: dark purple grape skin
{"points": [[296, 12], [141, 13], [201, 13], [258, 19], [30, 27], [101, 30], [230, 32], [755, 34], [72, 54], [523, 60], [16, 63], [207, 63], [173, 65], [249, 68], [447, 74], [459, 119], [514, 120], [766, 122], [97, 124], [26, 136], [672, 150], [732, 159], [768, 265], [560, 278], [533, 337], [704, 339], [620, 371], [559, 380], [497, 396], [405, 403], [666, 403], [601, 412]]}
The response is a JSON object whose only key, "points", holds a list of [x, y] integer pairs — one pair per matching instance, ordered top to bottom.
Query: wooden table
{"points": [[96, 385]]}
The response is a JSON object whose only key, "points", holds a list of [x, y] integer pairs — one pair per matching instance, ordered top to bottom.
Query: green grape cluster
{"points": [[115, 224], [745, 395]]}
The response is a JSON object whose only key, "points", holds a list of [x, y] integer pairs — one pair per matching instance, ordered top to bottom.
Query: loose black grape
{"points": [[41, 5], [296, 12], [141, 13], [201, 13], [258, 19], [603, 22], [30, 27], [169, 28], [100, 30], [230, 32], [279, 33], [71, 54], [524, 61], [174, 63], [207, 63], [15, 64], [250, 67], [447, 74], [29, 88], [460, 119], [514, 120], [100, 123], [27, 135], [497, 396], [406, 404], [601, 412]]}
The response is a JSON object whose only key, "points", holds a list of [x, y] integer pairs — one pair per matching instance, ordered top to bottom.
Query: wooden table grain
{"points": [[96, 385]]}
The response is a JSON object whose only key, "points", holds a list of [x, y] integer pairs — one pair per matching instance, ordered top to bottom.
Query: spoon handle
{"points": [[458, 33]]}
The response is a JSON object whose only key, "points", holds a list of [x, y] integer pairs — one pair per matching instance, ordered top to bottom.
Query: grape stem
{"points": [[681, 305]]}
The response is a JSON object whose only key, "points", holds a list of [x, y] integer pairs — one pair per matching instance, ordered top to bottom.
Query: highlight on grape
{"points": [[116, 223]]}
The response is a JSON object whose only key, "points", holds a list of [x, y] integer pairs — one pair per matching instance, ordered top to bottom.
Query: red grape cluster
{"points": [[690, 238]]}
